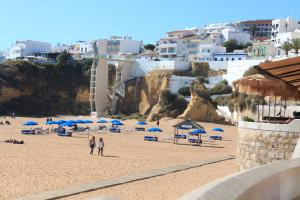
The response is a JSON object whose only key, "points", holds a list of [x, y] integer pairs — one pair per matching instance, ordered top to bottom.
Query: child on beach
{"points": [[92, 144], [100, 146]]}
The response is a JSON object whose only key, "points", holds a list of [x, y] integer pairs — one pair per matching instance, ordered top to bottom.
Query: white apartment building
{"points": [[284, 26], [218, 27], [233, 33], [119, 45], [173, 46], [25, 48], [59, 48], [83, 49], [202, 50]]}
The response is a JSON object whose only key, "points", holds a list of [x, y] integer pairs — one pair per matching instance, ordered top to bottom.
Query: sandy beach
{"points": [[49, 162]]}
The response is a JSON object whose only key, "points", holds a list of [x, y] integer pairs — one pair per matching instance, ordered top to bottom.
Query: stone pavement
{"points": [[72, 190]]}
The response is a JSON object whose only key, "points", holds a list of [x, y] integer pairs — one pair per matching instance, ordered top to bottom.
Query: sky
{"points": [[67, 21]]}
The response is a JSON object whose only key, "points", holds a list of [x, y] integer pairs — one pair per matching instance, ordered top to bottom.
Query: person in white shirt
{"points": [[100, 146]]}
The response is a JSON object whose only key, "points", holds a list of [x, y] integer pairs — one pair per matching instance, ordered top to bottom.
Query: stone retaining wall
{"points": [[258, 146]]}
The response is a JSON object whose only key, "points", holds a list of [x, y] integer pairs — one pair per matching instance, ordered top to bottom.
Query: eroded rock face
{"points": [[200, 108]]}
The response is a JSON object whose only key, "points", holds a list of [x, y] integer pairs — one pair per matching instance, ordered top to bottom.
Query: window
{"points": [[85, 49], [163, 50], [171, 50], [240, 58], [216, 59], [221, 59], [227, 59], [232, 59]]}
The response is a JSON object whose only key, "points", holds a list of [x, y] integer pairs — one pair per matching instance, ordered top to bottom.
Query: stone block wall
{"points": [[258, 147]]}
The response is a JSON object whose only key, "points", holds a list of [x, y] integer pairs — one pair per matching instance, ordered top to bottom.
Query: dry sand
{"points": [[49, 162]]}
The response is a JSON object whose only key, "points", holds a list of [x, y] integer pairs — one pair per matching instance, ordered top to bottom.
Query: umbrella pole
{"points": [[258, 103], [269, 106], [280, 106], [275, 107], [284, 108], [174, 134]]}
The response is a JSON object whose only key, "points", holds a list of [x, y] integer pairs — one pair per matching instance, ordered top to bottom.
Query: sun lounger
{"points": [[139, 129], [115, 130], [28, 132], [64, 133], [180, 136], [215, 137], [151, 138], [195, 141]]}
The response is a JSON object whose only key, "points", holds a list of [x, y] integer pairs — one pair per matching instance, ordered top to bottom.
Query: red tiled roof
{"points": [[264, 21]]}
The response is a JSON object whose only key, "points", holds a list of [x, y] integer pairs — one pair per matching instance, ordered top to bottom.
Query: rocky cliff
{"points": [[32, 89]]}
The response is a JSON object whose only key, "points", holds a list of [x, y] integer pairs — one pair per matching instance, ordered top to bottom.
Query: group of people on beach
{"points": [[5, 122], [100, 145]]}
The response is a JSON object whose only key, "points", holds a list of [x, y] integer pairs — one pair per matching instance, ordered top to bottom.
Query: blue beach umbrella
{"points": [[115, 120], [61, 121], [79, 121], [87, 121], [102, 121], [51, 122], [30, 123], [117, 123], [141, 123], [67, 124], [154, 129], [217, 129], [197, 132]]}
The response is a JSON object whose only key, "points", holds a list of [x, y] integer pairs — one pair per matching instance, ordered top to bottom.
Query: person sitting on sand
{"points": [[7, 122], [1, 123], [13, 141], [92, 144], [100, 146]]}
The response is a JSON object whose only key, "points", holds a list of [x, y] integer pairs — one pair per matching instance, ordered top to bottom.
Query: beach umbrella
{"points": [[115, 120], [61, 121], [72, 121], [79, 121], [87, 121], [102, 121], [51, 122], [30, 123], [117, 123], [141, 123], [67, 124], [154, 129], [217, 129], [197, 132]]}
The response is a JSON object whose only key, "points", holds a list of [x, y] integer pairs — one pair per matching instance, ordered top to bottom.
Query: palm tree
{"points": [[296, 45], [286, 46]]}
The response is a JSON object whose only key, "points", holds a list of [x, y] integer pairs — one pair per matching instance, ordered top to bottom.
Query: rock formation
{"points": [[200, 108]]}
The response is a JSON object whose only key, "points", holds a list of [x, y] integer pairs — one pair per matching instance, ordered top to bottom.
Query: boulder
{"points": [[200, 108]]}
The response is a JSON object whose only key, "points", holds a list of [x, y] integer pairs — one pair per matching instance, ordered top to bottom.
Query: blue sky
{"points": [[67, 21]]}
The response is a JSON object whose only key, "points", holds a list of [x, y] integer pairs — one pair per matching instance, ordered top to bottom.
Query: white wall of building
{"points": [[239, 36], [284, 37], [129, 46], [27, 48], [230, 56], [143, 66], [235, 69], [177, 82]]}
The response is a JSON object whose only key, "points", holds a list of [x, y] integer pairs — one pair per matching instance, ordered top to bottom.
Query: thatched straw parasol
{"points": [[264, 85]]}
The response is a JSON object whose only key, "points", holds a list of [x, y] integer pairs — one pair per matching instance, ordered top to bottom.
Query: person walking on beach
{"points": [[157, 122], [92, 144], [100, 146]]}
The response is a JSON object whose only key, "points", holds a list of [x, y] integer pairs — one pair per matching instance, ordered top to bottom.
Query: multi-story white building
{"points": [[284, 26], [218, 27], [233, 33], [119, 45], [173, 46], [25, 48], [59, 48], [83, 49], [202, 50]]}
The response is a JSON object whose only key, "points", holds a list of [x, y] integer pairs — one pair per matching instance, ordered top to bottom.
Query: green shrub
{"points": [[200, 69], [221, 88], [184, 91]]}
